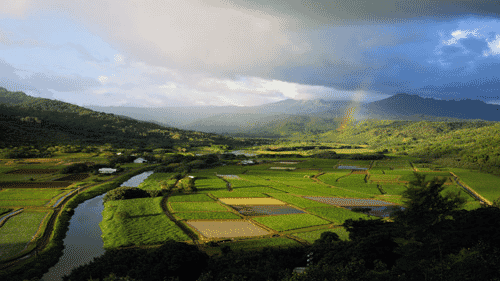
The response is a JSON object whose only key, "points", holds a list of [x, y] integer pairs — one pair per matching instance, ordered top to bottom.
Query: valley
{"points": [[224, 199]]}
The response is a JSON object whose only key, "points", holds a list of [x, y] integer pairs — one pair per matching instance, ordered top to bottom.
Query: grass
{"points": [[331, 178], [153, 181], [356, 182], [486, 185], [393, 189], [26, 194], [236, 194], [190, 198], [297, 201], [22, 203], [196, 207], [4, 211], [206, 215], [337, 215], [137, 222], [288, 222], [18, 231], [312, 236], [261, 243]]}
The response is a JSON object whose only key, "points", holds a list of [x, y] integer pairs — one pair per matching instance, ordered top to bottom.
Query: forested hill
{"points": [[26, 120]]}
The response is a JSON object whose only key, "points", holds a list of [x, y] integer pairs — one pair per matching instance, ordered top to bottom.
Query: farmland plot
{"points": [[357, 163], [33, 171], [75, 177], [331, 178], [153, 181], [357, 183], [57, 184], [486, 185], [29, 194], [236, 194], [190, 198], [251, 201], [297, 201], [349, 201], [195, 206], [266, 210], [336, 214], [206, 215], [137, 222], [288, 222], [230, 228], [18, 231], [311, 236], [253, 245]]}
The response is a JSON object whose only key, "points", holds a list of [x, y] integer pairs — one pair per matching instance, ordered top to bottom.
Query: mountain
{"points": [[404, 105], [26, 120]]}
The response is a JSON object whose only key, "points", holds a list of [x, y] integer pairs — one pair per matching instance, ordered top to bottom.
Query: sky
{"points": [[176, 53]]}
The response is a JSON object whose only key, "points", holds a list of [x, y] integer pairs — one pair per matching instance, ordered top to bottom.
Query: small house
{"points": [[140, 160], [107, 170]]}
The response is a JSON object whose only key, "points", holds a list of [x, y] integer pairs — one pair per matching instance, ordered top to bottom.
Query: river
{"points": [[83, 240]]}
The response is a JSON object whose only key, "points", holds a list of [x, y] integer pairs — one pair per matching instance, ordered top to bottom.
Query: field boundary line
{"points": [[465, 186], [8, 216]]}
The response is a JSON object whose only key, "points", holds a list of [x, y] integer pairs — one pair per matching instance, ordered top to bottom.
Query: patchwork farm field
{"points": [[267, 210], [137, 222], [288, 222], [227, 229], [18, 231], [311, 236]]}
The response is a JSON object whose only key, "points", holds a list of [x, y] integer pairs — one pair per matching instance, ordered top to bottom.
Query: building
{"points": [[140, 160], [107, 170]]}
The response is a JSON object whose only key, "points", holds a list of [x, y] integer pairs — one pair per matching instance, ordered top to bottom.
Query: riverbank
{"points": [[50, 246]]}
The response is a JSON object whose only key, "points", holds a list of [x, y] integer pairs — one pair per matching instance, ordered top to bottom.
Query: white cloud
{"points": [[103, 79]]}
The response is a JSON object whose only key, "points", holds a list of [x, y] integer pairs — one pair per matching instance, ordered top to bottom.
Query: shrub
{"points": [[75, 168], [125, 192]]}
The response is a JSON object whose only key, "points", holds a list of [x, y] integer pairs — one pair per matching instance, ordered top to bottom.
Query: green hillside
{"points": [[26, 120]]}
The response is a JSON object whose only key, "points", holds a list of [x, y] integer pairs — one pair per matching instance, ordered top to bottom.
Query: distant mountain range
{"points": [[289, 116]]}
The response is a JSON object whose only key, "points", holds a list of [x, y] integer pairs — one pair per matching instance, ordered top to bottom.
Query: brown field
{"points": [[33, 171], [75, 177], [47, 184], [251, 201], [230, 228]]}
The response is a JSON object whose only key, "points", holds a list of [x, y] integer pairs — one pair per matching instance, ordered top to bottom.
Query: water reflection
{"points": [[83, 240]]}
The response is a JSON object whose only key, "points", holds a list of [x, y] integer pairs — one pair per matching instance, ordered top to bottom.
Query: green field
{"points": [[153, 181], [356, 183], [485, 184], [29, 193], [236, 194], [190, 198], [297, 201], [22, 203], [196, 207], [4, 211], [336, 214], [206, 215], [137, 222], [288, 222], [18, 231], [312, 236], [250, 245]]}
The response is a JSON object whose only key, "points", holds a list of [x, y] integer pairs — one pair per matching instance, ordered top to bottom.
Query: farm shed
{"points": [[140, 160], [107, 170]]}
